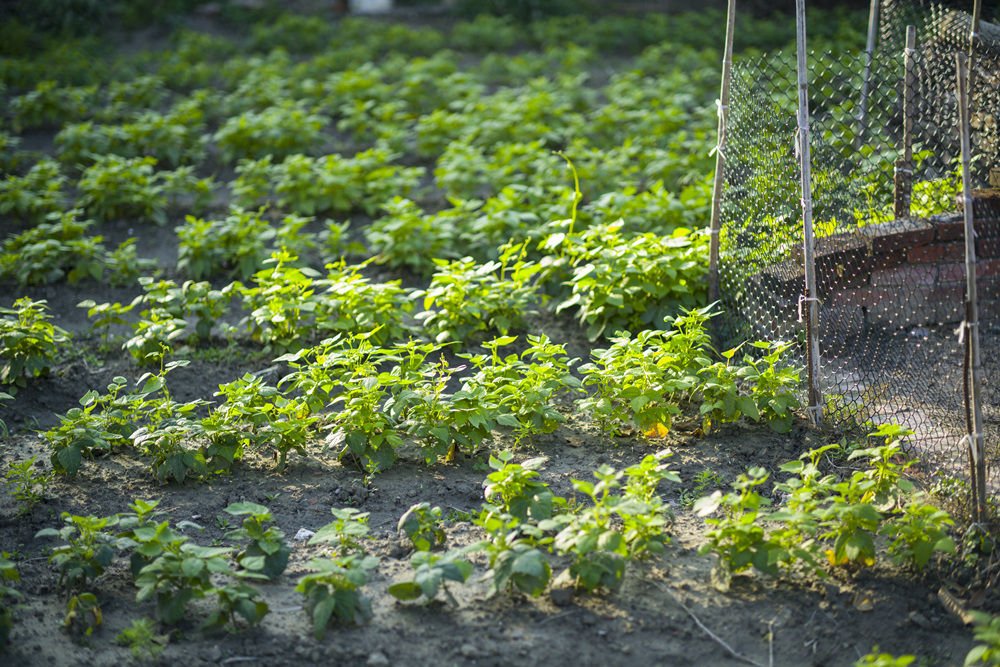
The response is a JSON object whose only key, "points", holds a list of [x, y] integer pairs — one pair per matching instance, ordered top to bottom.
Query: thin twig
{"points": [[552, 618], [718, 640], [770, 642], [239, 658]]}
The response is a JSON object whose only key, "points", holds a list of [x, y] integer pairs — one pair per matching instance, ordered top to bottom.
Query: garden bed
{"points": [[433, 155]]}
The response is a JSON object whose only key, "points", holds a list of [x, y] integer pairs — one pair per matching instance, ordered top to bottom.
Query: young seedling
{"points": [[27, 485], [422, 524], [267, 552], [431, 571]]}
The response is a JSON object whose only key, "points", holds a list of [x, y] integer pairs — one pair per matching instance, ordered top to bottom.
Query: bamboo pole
{"points": [[974, 40], [866, 79], [720, 160], [904, 166], [810, 299], [977, 445]]}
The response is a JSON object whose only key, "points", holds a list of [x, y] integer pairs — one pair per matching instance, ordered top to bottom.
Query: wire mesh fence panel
{"points": [[889, 232]]}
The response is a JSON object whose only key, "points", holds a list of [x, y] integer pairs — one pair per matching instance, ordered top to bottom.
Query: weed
{"points": [[28, 485], [142, 639]]}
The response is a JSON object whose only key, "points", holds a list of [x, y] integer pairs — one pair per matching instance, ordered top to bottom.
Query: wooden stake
{"points": [[866, 80], [720, 161], [904, 166], [809, 299], [977, 444]]}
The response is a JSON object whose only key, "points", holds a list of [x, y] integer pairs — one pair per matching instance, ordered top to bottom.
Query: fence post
{"points": [[866, 79], [720, 161], [904, 166], [809, 299], [977, 445]]}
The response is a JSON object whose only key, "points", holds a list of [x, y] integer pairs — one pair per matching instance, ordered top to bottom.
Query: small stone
{"points": [[304, 534], [399, 550], [562, 589], [919, 620], [469, 651], [212, 654], [377, 659]]}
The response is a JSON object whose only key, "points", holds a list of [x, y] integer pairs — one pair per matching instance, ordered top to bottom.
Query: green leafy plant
{"points": [[51, 103], [279, 130], [117, 187], [36, 194], [407, 238], [238, 244], [58, 248], [621, 284], [467, 297], [281, 304], [28, 342], [641, 380], [762, 389], [524, 391], [257, 414], [444, 423], [363, 429], [4, 431], [169, 431], [81, 433], [703, 481], [26, 484], [516, 490], [422, 524], [345, 533], [918, 533], [592, 536], [736, 537], [515, 541], [87, 552], [267, 552], [174, 571], [432, 571], [8, 573], [333, 590], [988, 633], [142, 639], [876, 658]]}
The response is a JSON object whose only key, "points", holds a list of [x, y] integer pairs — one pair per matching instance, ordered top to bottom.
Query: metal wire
{"points": [[890, 291]]}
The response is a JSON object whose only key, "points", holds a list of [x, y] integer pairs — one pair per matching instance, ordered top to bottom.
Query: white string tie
{"points": [[802, 299]]}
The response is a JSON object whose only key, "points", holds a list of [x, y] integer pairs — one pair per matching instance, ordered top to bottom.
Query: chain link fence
{"points": [[888, 223]]}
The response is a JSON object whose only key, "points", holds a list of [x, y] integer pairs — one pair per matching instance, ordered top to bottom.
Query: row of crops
{"points": [[380, 210]]}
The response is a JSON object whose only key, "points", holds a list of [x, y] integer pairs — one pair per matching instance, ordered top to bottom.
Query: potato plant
{"points": [[29, 343]]}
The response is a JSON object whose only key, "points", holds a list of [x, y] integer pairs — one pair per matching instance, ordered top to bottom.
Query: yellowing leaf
{"points": [[657, 430]]}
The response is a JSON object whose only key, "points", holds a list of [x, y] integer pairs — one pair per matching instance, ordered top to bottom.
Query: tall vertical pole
{"points": [[866, 80], [720, 160], [904, 166], [808, 250], [977, 444]]}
